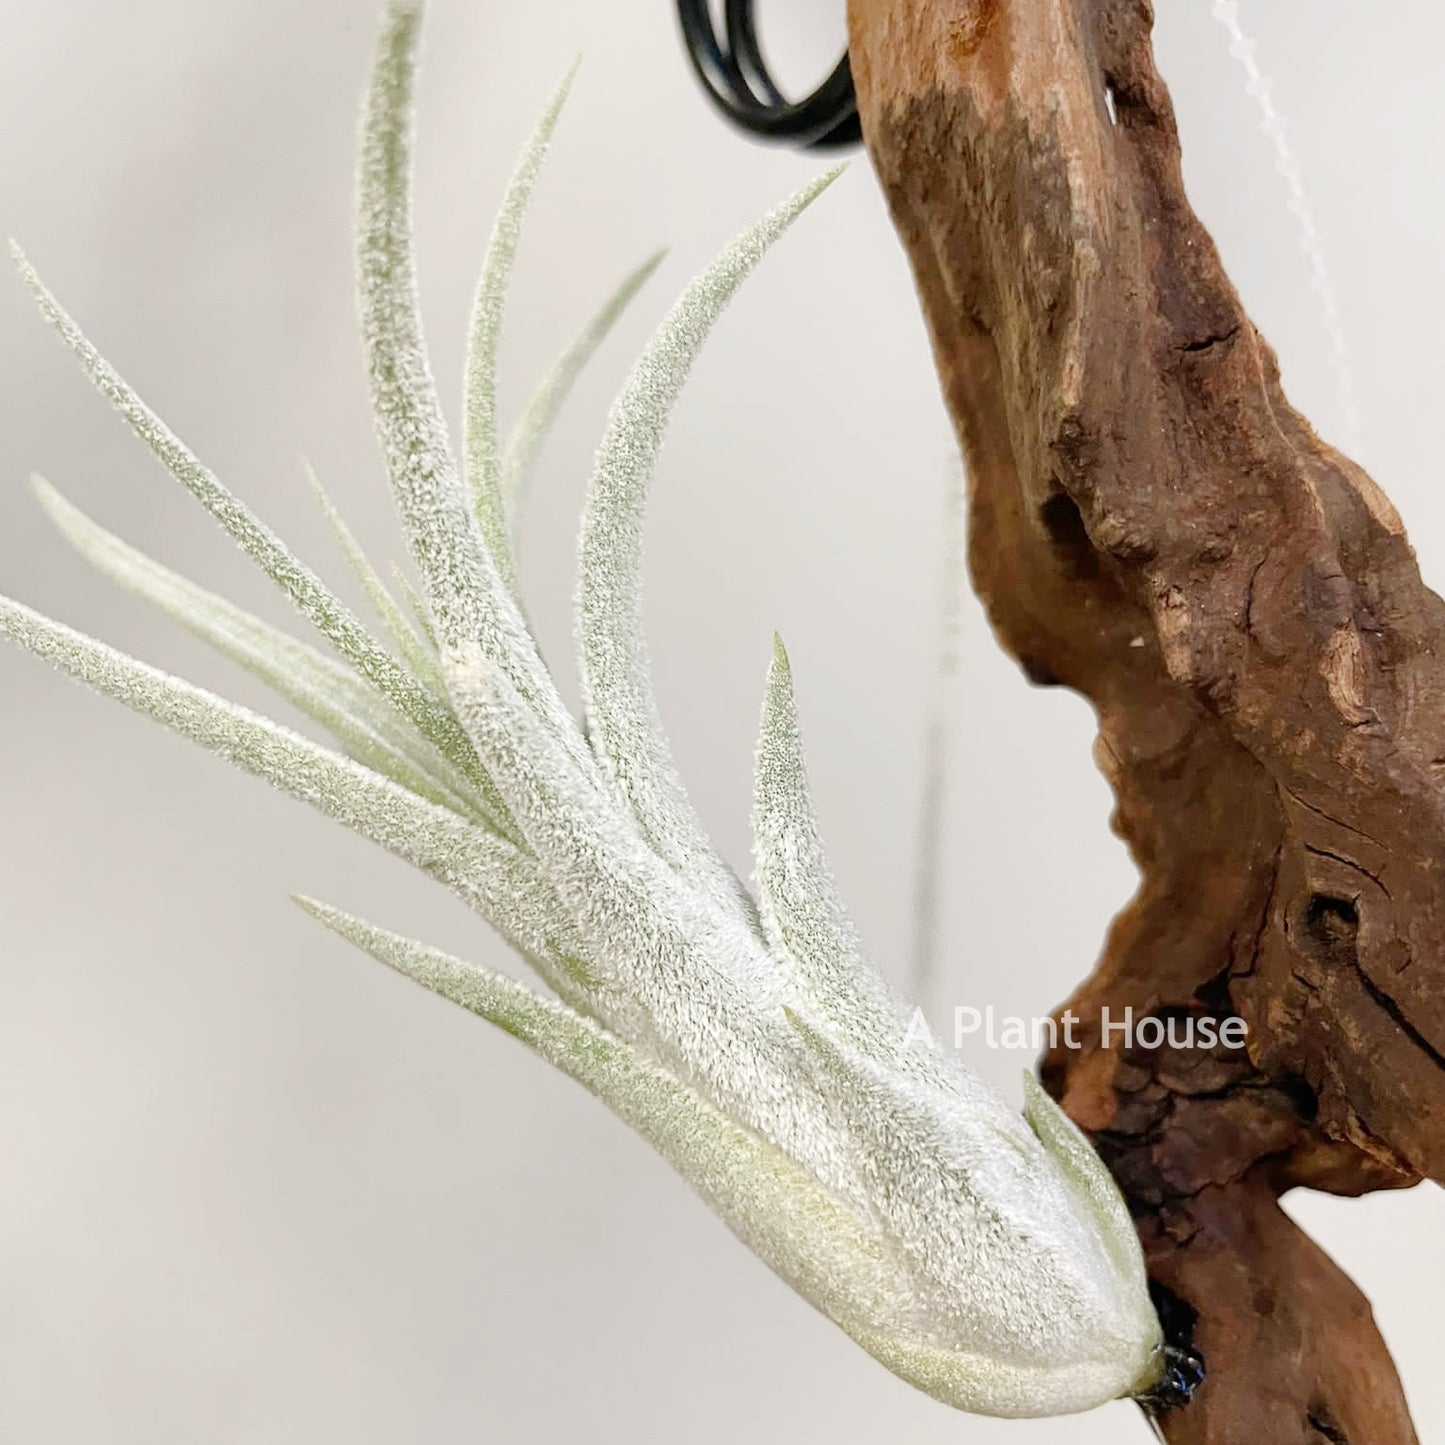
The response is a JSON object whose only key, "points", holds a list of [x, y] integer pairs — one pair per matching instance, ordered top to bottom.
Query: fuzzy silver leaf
{"points": [[983, 1255]]}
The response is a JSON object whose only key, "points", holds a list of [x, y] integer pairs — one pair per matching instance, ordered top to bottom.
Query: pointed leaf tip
{"points": [[530, 433], [482, 446], [626, 729]]}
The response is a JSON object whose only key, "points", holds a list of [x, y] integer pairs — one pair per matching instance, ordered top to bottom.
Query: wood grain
{"points": [[1153, 525]]}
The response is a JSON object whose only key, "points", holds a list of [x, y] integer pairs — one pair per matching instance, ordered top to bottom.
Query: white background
{"points": [[255, 1189]]}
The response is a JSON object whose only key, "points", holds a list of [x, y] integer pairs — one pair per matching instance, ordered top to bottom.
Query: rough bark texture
{"points": [[1154, 526]]}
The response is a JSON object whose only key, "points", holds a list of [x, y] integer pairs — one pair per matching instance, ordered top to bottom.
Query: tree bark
{"points": [[1154, 526]]}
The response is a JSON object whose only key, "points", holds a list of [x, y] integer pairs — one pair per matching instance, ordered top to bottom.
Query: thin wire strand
{"points": [[1243, 48], [926, 949]]}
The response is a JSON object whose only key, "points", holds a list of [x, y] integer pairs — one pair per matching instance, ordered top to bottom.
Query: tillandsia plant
{"points": [[983, 1255]]}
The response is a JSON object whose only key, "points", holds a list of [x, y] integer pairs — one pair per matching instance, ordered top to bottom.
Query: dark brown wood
{"points": [[1153, 525]]}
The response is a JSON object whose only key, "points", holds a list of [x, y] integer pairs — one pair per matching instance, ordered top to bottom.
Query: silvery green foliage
{"points": [[982, 1255]]}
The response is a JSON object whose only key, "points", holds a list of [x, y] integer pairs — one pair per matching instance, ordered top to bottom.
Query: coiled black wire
{"points": [[735, 76]]}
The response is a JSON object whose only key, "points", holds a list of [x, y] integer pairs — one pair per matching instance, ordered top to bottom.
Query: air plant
{"points": [[983, 1255]]}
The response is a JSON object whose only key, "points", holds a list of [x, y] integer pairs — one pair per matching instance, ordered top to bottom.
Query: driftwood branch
{"points": [[1153, 525]]}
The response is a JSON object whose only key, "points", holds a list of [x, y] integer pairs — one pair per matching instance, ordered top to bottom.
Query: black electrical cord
{"points": [[736, 78]]}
